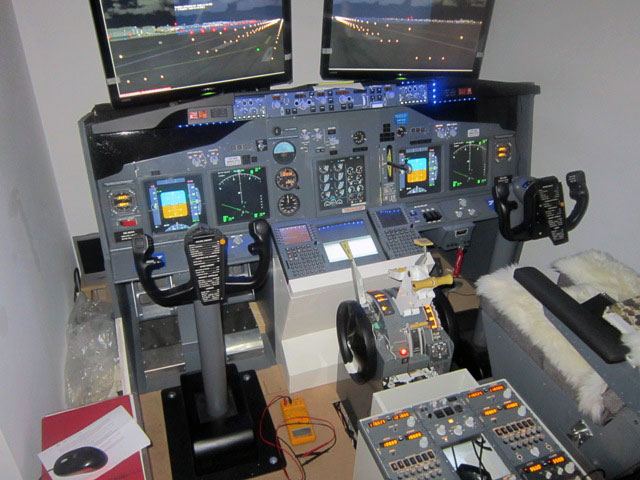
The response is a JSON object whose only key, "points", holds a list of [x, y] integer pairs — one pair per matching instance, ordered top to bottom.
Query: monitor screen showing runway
{"points": [[406, 35], [163, 45]]}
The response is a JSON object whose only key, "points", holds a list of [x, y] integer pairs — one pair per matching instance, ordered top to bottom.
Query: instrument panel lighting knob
{"points": [[507, 393], [522, 411], [411, 421], [470, 422], [441, 430], [457, 430], [424, 442], [535, 451], [570, 468]]}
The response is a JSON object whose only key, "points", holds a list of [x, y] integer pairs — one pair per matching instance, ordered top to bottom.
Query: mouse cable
{"points": [[345, 424], [482, 448], [455, 460]]}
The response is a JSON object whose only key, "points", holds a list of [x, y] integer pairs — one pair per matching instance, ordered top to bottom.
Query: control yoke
{"points": [[542, 202], [146, 263]]}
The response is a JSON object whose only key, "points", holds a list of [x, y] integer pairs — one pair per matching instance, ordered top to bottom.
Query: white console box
{"points": [[304, 320]]}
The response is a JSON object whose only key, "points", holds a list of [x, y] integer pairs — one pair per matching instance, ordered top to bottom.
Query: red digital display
{"points": [[295, 234]]}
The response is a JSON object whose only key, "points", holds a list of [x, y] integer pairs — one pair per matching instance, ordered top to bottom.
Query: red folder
{"points": [[58, 426]]}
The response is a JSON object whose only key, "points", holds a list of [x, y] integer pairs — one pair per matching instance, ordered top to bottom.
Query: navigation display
{"points": [[404, 37], [156, 47], [469, 164], [423, 175], [241, 195], [175, 203]]}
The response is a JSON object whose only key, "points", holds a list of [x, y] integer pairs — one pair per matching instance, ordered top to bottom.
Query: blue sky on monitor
{"points": [[121, 13]]}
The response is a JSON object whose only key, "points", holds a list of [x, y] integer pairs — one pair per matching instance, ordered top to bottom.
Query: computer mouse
{"points": [[80, 460], [470, 472]]}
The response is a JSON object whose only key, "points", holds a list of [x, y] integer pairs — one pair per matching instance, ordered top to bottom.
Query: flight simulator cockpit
{"points": [[376, 199]]}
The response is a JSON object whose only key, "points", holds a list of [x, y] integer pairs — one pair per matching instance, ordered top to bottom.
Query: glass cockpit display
{"points": [[469, 164], [423, 174], [341, 182], [241, 195], [175, 203]]}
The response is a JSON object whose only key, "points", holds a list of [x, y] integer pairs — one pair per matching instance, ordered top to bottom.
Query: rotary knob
{"points": [[359, 137], [507, 393], [522, 411], [411, 421], [470, 422], [441, 430], [457, 430], [424, 442], [535, 451], [570, 468]]}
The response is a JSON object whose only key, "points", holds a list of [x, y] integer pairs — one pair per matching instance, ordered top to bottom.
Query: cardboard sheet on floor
{"points": [[338, 463]]}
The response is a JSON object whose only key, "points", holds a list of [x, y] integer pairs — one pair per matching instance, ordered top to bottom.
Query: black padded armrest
{"points": [[594, 331]]}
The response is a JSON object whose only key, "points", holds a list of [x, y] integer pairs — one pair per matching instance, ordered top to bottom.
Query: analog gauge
{"points": [[359, 137], [284, 152], [469, 165], [287, 179], [288, 204]]}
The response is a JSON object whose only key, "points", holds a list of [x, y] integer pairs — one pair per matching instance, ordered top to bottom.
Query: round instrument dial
{"points": [[359, 137], [284, 152], [287, 179], [288, 204]]}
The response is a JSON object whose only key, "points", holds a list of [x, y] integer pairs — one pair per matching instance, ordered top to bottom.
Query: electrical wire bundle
{"points": [[300, 459]]}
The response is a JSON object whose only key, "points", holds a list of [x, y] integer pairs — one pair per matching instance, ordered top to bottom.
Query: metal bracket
{"points": [[580, 433]]}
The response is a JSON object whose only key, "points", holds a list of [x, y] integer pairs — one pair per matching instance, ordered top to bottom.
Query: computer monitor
{"points": [[396, 39], [163, 50]]}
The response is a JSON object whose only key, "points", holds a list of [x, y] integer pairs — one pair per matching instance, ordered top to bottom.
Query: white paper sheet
{"points": [[117, 434]]}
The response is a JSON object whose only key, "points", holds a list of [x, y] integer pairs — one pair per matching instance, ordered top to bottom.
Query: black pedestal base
{"points": [[229, 448]]}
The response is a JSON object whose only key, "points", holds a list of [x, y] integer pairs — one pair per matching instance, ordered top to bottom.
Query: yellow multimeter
{"points": [[297, 420]]}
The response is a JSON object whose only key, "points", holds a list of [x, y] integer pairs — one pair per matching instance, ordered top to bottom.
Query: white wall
{"points": [[583, 53], [36, 265]]}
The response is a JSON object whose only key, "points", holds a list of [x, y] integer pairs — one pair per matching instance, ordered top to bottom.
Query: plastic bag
{"points": [[91, 364]]}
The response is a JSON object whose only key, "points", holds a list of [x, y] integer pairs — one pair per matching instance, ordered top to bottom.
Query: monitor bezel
{"points": [[390, 75], [189, 93]]}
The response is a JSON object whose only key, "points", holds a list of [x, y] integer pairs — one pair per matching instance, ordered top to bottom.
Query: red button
{"points": [[129, 223]]}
